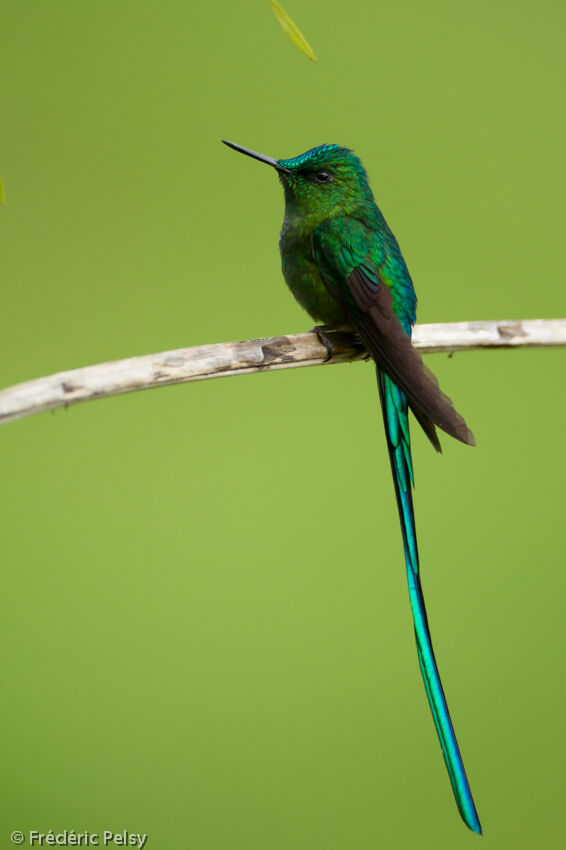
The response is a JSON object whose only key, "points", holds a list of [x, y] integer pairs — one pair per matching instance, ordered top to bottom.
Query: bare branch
{"points": [[257, 355]]}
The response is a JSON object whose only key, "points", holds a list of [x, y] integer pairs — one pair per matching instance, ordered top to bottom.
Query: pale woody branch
{"points": [[257, 355]]}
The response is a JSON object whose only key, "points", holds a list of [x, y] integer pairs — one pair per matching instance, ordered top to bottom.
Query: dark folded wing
{"points": [[371, 311]]}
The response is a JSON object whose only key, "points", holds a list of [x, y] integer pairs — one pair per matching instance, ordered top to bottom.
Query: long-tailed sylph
{"points": [[343, 265]]}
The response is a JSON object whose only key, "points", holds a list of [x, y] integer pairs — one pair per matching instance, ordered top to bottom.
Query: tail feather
{"points": [[395, 416]]}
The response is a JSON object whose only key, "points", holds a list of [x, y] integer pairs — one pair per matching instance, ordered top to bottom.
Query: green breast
{"points": [[303, 278]]}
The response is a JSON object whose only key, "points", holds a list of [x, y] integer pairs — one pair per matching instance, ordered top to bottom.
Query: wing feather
{"points": [[383, 334]]}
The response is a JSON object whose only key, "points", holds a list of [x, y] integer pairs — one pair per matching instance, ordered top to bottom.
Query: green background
{"points": [[205, 627]]}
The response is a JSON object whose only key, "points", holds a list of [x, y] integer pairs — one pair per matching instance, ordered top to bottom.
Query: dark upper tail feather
{"points": [[373, 315], [393, 350], [428, 428]]}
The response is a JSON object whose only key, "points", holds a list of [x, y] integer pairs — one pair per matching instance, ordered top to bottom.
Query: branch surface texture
{"points": [[256, 355]]}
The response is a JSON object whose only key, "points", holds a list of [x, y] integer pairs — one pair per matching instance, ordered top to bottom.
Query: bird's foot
{"points": [[321, 332], [359, 341]]}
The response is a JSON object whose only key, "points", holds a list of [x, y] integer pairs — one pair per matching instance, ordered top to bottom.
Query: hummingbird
{"points": [[345, 268]]}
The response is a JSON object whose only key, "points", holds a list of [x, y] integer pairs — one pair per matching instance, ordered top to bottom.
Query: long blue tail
{"points": [[395, 416]]}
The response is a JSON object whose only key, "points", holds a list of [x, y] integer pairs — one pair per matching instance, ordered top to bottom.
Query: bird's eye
{"points": [[322, 177]]}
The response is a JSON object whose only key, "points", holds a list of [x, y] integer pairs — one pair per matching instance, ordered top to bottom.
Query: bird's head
{"points": [[326, 181]]}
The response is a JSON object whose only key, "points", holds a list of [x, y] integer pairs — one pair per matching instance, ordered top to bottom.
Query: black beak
{"points": [[259, 156]]}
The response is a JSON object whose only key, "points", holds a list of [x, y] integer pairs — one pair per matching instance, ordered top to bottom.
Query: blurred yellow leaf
{"points": [[292, 31], [2, 195]]}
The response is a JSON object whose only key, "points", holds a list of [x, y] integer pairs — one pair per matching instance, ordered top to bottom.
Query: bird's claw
{"points": [[321, 332], [359, 341]]}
